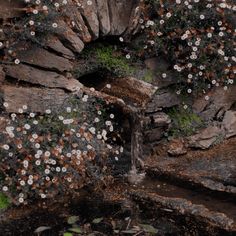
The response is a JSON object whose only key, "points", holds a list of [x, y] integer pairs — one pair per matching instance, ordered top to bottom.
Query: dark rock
{"points": [[8, 8], [77, 22], [159, 66], [131, 90], [162, 99], [154, 135], [211, 170], [179, 208]]}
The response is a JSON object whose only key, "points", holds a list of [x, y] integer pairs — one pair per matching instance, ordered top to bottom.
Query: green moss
{"points": [[104, 58], [108, 59], [148, 76], [184, 122], [4, 201]]}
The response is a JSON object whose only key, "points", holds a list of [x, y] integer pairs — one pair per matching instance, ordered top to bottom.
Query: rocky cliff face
{"points": [[47, 68]]}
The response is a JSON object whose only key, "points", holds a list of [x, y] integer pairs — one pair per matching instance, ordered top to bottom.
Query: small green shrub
{"points": [[184, 122]]}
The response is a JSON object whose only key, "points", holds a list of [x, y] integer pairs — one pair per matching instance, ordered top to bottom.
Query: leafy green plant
{"points": [[184, 122]]}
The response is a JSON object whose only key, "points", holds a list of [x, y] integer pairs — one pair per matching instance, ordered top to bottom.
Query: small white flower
{"points": [[89, 2], [54, 25], [127, 56], [17, 61], [108, 86], [5, 104], [48, 111], [27, 126], [6, 147], [37, 163], [5, 188], [21, 200]]}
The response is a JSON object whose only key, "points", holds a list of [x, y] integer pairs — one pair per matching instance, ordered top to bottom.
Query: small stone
{"points": [[177, 148]]}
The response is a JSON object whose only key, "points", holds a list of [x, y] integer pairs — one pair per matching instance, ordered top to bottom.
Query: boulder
{"points": [[229, 123]]}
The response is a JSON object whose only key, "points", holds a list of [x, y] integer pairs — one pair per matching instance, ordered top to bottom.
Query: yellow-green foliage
{"points": [[107, 58], [148, 76], [184, 122], [4, 201]]}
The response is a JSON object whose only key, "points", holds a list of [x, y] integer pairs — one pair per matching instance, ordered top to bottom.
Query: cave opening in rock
{"points": [[97, 79]]}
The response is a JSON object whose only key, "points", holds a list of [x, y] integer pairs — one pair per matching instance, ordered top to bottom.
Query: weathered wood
{"points": [[135, 92]]}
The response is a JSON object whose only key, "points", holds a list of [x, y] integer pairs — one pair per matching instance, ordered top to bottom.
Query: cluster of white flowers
{"points": [[46, 155]]}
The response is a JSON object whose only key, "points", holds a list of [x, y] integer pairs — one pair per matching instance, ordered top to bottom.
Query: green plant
{"points": [[104, 58], [108, 59], [148, 76], [184, 122], [4, 201]]}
